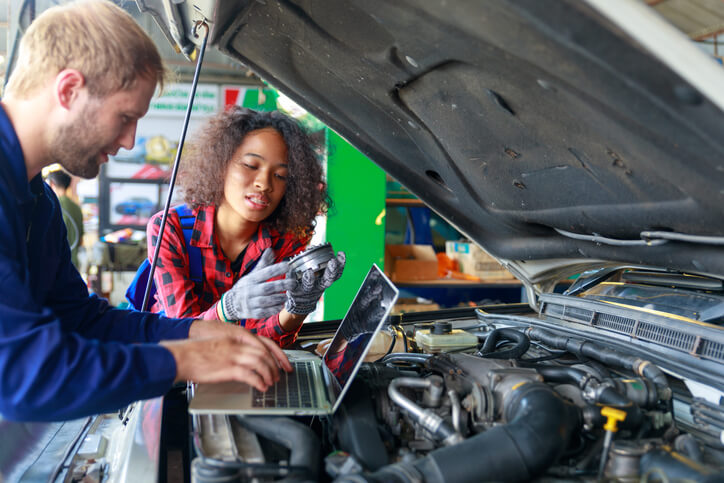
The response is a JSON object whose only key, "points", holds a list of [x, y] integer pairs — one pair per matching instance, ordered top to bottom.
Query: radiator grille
{"points": [[554, 310], [578, 314], [624, 325], [674, 338], [712, 350]]}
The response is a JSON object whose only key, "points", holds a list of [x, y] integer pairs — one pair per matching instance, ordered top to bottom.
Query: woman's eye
{"points": [[249, 166], [281, 176]]}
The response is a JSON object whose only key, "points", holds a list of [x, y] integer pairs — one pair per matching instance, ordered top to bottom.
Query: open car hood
{"points": [[559, 136]]}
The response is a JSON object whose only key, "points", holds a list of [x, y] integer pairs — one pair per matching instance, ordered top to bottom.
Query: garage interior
{"points": [[375, 219], [113, 245]]}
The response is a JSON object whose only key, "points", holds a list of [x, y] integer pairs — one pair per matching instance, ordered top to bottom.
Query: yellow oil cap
{"points": [[613, 417]]}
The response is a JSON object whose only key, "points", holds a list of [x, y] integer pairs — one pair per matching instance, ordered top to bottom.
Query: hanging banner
{"points": [[259, 98], [175, 99]]}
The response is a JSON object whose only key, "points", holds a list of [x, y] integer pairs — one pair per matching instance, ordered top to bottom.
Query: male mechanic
{"points": [[84, 76]]}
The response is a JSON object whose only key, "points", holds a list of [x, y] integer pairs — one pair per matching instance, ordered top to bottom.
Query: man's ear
{"points": [[68, 86]]}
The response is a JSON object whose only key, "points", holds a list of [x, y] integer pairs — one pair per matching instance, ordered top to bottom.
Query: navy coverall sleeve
{"points": [[93, 317], [63, 354]]}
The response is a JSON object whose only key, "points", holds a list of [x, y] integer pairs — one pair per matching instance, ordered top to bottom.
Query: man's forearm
{"points": [[201, 328]]}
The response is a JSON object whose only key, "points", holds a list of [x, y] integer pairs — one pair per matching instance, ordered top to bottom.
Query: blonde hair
{"points": [[97, 38]]}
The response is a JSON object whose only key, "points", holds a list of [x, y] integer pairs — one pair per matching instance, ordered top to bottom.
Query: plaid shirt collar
{"points": [[203, 235]]}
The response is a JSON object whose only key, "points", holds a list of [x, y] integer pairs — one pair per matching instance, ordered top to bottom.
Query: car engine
{"points": [[495, 396]]}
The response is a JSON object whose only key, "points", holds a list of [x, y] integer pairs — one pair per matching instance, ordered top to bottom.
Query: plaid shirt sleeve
{"points": [[284, 247], [175, 293]]}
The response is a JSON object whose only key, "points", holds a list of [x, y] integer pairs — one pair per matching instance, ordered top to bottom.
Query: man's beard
{"points": [[76, 147]]}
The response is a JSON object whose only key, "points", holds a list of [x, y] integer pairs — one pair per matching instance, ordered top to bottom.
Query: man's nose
{"points": [[127, 138]]}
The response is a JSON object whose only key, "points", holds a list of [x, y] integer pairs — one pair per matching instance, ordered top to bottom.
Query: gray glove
{"points": [[253, 296], [303, 298]]}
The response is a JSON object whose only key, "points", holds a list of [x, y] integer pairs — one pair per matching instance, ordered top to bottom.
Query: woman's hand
{"points": [[253, 296], [302, 299]]}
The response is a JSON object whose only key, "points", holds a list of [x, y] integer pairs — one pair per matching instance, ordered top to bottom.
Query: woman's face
{"points": [[256, 178]]}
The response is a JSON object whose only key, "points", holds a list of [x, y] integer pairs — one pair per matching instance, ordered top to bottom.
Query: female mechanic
{"points": [[252, 186]]}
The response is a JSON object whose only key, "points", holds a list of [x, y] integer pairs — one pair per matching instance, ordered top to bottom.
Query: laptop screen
{"points": [[365, 316]]}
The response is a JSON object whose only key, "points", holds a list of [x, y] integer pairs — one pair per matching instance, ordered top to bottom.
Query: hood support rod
{"points": [[174, 172]]}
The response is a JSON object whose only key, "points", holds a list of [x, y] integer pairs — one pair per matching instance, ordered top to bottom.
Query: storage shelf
{"points": [[457, 283]]}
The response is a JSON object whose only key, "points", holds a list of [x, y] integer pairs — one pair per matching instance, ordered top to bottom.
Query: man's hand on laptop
{"points": [[202, 329], [227, 353]]}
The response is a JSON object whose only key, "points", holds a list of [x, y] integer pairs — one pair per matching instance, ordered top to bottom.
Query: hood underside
{"points": [[542, 130]]}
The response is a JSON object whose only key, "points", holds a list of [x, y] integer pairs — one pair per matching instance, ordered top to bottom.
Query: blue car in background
{"points": [[137, 206]]}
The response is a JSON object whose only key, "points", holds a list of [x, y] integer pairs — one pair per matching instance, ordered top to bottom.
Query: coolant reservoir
{"points": [[443, 338], [386, 341]]}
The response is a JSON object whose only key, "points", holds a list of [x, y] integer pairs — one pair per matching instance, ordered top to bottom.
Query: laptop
{"points": [[317, 385]]}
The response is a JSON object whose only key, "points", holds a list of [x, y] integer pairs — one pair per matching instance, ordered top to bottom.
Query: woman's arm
{"points": [[175, 290]]}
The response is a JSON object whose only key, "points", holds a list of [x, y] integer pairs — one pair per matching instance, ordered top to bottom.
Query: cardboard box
{"points": [[474, 261], [405, 263], [405, 305]]}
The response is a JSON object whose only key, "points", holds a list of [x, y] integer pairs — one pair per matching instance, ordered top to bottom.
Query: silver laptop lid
{"points": [[365, 317]]}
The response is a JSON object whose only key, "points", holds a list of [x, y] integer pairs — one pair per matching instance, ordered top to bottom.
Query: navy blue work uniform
{"points": [[64, 354]]}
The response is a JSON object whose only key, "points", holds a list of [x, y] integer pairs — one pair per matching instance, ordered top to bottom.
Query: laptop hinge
{"points": [[330, 384]]}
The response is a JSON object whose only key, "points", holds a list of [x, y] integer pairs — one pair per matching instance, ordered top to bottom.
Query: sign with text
{"points": [[175, 98]]}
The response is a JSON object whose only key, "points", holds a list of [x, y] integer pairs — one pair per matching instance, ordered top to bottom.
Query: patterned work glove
{"points": [[253, 296], [303, 298]]}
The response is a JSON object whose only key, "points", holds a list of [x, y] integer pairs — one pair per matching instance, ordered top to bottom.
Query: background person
{"points": [[85, 74], [59, 181], [254, 185]]}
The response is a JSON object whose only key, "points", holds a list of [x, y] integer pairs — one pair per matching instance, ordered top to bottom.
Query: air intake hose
{"points": [[540, 426], [297, 437]]}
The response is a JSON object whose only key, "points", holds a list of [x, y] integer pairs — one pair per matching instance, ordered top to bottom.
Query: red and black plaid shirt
{"points": [[178, 296]]}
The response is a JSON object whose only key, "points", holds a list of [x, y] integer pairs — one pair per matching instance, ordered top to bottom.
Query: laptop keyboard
{"points": [[294, 389]]}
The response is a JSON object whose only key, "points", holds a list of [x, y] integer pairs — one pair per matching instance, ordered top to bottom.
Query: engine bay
{"points": [[620, 379], [494, 393]]}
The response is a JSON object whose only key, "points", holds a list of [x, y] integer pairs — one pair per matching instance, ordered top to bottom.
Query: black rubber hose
{"points": [[522, 343], [583, 348], [652, 372], [562, 374], [606, 397], [609, 397], [540, 427], [297, 437]]}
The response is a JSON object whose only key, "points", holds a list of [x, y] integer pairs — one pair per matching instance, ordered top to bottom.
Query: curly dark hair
{"points": [[204, 164]]}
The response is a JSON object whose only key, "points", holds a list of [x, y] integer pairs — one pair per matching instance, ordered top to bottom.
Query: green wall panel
{"points": [[251, 99], [356, 222]]}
